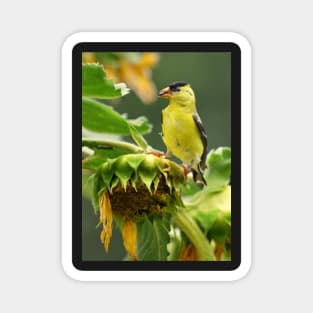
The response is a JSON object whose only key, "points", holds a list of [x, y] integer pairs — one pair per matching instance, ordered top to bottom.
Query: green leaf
{"points": [[96, 85], [102, 118], [141, 125], [140, 141], [100, 156], [219, 169], [189, 188], [216, 194], [220, 200], [205, 201], [211, 207], [213, 213], [206, 217], [221, 229], [153, 238]]}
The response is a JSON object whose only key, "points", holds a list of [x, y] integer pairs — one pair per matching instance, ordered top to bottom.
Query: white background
{"points": [[31, 276]]}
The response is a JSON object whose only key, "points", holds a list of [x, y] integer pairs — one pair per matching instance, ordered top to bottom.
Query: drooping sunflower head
{"points": [[132, 186]]}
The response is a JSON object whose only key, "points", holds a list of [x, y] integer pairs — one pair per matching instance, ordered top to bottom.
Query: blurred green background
{"points": [[209, 74]]}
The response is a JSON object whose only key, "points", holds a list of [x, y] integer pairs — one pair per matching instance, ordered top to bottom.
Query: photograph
{"points": [[156, 156]]}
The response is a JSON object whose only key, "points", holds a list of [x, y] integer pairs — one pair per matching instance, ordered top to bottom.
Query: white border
{"points": [[183, 275]]}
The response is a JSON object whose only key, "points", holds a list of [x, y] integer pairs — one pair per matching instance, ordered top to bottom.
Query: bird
{"points": [[182, 130]]}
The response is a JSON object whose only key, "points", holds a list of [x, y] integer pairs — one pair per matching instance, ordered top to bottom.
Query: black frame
{"points": [[235, 51]]}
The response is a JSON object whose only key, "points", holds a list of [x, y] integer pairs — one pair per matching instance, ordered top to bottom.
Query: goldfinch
{"points": [[182, 129]]}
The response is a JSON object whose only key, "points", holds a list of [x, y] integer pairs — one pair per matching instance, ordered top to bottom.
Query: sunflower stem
{"points": [[104, 143], [185, 222]]}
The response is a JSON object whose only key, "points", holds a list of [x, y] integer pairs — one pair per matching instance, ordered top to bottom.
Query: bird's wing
{"points": [[162, 123], [203, 137]]}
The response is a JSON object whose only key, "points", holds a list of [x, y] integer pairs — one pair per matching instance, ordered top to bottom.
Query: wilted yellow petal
{"points": [[88, 57], [148, 59], [111, 73], [138, 79], [106, 218], [129, 234], [219, 249], [189, 253]]}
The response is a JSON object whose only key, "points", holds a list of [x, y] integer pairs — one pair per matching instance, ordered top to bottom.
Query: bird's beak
{"points": [[165, 93]]}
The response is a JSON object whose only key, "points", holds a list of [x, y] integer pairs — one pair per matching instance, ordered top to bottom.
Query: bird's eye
{"points": [[175, 88]]}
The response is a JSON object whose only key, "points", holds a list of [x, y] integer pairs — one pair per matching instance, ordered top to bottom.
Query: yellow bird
{"points": [[182, 129]]}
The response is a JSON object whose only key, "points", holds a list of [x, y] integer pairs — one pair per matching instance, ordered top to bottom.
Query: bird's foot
{"points": [[186, 170]]}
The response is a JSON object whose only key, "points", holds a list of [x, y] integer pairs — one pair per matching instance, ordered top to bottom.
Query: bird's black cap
{"points": [[175, 86]]}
